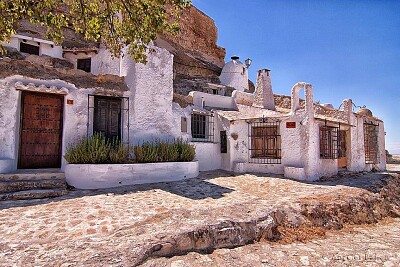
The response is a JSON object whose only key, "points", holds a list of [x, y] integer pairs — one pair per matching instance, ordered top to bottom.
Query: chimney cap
{"points": [[234, 57]]}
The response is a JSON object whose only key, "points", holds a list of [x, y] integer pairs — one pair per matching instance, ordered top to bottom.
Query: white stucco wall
{"points": [[47, 48], [73, 58], [103, 63], [235, 74], [150, 92], [216, 101], [75, 117], [9, 125], [208, 155], [88, 176]]}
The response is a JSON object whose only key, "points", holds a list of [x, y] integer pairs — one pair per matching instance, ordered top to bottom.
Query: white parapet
{"points": [[7, 165], [295, 173], [96, 176]]}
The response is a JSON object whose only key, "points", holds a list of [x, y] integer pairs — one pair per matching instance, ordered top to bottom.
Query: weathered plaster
{"points": [[47, 48], [235, 74], [263, 95], [88, 176]]}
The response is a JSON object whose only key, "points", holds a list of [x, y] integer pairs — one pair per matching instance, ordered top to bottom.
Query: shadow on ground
{"points": [[201, 187], [197, 188]]}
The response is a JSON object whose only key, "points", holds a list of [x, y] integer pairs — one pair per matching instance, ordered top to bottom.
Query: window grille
{"points": [[110, 116], [202, 127], [328, 141], [264, 142], [371, 142]]}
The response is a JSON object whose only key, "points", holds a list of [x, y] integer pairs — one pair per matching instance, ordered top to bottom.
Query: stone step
{"points": [[32, 175], [23, 185], [34, 194]]}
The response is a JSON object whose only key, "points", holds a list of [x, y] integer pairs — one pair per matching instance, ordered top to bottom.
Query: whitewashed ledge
{"points": [[97, 176]]}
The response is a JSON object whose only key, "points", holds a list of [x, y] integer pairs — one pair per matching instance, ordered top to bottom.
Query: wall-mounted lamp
{"points": [[247, 62]]}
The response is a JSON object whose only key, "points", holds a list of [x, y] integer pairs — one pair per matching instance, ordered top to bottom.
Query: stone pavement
{"points": [[123, 226]]}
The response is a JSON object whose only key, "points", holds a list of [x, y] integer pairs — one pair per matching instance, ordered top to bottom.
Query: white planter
{"points": [[7, 165], [96, 176]]}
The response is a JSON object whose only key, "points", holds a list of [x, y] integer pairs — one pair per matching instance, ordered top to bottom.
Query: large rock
{"points": [[196, 53]]}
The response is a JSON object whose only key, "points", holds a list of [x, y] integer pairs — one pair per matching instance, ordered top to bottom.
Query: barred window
{"points": [[108, 116], [202, 127], [265, 142], [328, 142], [371, 143]]}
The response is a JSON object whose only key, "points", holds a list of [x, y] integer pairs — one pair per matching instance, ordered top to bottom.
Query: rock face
{"points": [[71, 38], [195, 49], [43, 67]]}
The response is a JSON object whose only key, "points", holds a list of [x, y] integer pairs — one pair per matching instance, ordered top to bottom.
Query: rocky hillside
{"points": [[197, 57]]}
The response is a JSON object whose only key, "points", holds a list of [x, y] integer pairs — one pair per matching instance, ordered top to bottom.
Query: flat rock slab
{"points": [[115, 227], [372, 245]]}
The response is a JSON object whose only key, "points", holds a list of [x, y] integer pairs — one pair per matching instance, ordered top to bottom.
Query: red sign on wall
{"points": [[70, 101], [291, 124]]}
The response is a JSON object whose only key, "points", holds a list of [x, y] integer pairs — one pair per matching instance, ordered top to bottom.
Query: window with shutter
{"points": [[107, 117], [265, 142], [328, 142]]}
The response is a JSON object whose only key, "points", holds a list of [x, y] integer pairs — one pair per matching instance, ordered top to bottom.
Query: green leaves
{"points": [[116, 23]]}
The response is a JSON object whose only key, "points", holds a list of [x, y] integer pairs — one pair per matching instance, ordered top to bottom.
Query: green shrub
{"points": [[97, 150], [163, 151], [119, 153], [146, 153]]}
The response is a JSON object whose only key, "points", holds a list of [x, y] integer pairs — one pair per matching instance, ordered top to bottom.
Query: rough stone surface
{"points": [[198, 34], [71, 39], [196, 53], [77, 77], [263, 96], [125, 226], [367, 245]]}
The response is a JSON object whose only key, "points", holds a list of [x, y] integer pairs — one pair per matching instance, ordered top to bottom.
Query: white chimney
{"points": [[263, 95]]}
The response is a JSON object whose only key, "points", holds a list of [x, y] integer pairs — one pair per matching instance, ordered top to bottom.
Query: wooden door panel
{"points": [[107, 114], [41, 127], [342, 150]]}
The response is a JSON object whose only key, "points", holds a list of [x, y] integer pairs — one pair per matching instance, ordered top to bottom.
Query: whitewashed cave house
{"points": [[43, 108], [266, 133]]}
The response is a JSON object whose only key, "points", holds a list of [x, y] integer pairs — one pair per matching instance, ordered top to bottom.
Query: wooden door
{"points": [[41, 130], [342, 150]]}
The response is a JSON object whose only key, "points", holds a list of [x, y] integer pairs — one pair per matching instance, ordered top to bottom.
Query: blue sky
{"points": [[345, 49]]}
